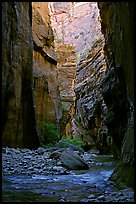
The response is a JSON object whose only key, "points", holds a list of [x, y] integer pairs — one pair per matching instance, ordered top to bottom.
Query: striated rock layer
{"points": [[117, 20], [75, 23], [66, 70], [46, 87], [18, 117], [89, 119]]}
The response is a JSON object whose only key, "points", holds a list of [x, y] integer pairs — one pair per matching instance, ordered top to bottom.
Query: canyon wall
{"points": [[117, 21], [75, 23], [78, 24], [66, 62], [66, 69], [104, 83], [46, 88], [94, 99], [18, 116], [89, 119]]}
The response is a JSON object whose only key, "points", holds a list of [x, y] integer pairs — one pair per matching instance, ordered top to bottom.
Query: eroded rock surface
{"points": [[75, 23], [66, 72], [118, 85], [46, 87], [18, 116], [89, 119], [72, 160]]}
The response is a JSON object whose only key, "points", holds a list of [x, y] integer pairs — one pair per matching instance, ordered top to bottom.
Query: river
{"points": [[92, 184]]}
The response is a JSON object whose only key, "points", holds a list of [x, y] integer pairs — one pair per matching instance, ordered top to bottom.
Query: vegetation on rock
{"points": [[50, 134], [74, 141]]}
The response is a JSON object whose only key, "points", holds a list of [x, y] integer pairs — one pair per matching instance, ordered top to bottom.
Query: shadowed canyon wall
{"points": [[117, 20], [18, 116], [89, 119]]}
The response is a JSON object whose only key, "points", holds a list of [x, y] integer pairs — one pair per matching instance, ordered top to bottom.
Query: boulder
{"points": [[62, 144], [56, 154], [72, 160]]}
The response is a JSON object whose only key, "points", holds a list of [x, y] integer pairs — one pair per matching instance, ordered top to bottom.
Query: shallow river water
{"points": [[76, 186], [56, 188]]}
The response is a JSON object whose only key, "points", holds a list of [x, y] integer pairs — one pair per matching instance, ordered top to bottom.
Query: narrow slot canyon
{"points": [[67, 102]]}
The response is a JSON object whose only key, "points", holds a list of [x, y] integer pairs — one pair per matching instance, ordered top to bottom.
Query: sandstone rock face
{"points": [[75, 23], [66, 70], [118, 85], [46, 89], [18, 117], [89, 120]]}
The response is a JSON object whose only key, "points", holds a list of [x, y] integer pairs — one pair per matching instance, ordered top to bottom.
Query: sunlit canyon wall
{"points": [[46, 89]]}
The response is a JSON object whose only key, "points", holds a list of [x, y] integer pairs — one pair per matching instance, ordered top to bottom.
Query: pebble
{"points": [[30, 162], [91, 196], [102, 197]]}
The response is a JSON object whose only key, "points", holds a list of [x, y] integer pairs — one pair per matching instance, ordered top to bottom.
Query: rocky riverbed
{"points": [[49, 175]]}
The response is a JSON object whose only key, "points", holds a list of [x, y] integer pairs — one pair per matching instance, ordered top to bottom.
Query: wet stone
{"points": [[48, 180], [91, 196], [102, 197]]}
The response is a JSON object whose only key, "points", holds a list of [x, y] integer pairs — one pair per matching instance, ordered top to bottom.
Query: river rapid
{"points": [[34, 176]]}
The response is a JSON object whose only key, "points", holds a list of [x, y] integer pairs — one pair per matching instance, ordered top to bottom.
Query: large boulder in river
{"points": [[62, 144], [72, 160]]}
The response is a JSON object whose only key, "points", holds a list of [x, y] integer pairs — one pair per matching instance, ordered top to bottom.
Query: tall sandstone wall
{"points": [[60, 15], [117, 21], [75, 24], [66, 70], [46, 88], [18, 116], [89, 119]]}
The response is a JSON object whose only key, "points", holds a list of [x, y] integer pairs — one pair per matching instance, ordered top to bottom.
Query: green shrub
{"points": [[50, 134], [75, 141]]}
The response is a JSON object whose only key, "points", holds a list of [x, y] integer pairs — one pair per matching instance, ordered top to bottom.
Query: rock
{"points": [[71, 21], [66, 70], [118, 84], [46, 87], [90, 111], [18, 122], [73, 147], [51, 149], [41, 150], [56, 154], [72, 160], [39, 166], [59, 169], [91, 196], [101, 198], [84, 200]]}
